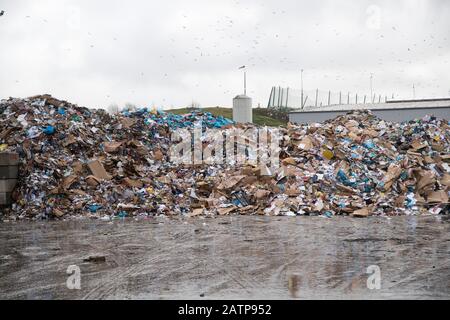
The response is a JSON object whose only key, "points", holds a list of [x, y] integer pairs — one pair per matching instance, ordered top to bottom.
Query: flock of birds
{"points": [[261, 46]]}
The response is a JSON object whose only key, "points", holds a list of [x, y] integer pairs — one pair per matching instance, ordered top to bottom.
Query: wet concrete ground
{"points": [[228, 258]]}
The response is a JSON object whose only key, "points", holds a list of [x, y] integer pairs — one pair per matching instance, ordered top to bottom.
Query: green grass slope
{"points": [[260, 116]]}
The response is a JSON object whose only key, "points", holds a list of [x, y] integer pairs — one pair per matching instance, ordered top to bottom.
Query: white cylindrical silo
{"points": [[242, 109]]}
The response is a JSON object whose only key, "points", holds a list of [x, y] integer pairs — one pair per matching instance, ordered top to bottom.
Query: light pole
{"points": [[301, 77], [245, 79], [245, 82], [371, 87]]}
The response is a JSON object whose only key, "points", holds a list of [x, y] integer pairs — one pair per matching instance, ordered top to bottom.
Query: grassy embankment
{"points": [[260, 115]]}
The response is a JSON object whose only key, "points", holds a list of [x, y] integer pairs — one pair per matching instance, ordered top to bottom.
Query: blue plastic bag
{"points": [[49, 130]]}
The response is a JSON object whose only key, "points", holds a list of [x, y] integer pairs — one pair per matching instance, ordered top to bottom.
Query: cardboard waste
{"points": [[76, 161]]}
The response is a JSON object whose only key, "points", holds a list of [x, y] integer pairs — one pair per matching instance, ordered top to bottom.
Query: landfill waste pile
{"points": [[80, 162]]}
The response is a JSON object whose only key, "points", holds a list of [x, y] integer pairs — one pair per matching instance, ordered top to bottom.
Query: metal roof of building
{"points": [[389, 105]]}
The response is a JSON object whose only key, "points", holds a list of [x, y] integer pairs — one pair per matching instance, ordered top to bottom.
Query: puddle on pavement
{"points": [[227, 258]]}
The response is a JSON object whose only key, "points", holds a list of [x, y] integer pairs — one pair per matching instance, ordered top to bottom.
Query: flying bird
{"points": [[2, 12], [243, 67]]}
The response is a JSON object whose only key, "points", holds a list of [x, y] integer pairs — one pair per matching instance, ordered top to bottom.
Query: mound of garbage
{"points": [[80, 162]]}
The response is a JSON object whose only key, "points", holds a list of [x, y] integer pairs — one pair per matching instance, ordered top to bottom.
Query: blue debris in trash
{"points": [[61, 111], [141, 111], [176, 121], [49, 130], [369, 144], [404, 176], [342, 177], [282, 187], [367, 188], [240, 199], [410, 200], [236, 202], [93, 208], [122, 214], [328, 214]]}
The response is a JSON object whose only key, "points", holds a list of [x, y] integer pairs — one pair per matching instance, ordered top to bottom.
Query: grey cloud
{"points": [[167, 53]]}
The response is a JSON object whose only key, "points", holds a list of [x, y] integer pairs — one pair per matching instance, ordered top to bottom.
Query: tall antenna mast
{"points": [[301, 78], [245, 79], [245, 82], [371, 87]]}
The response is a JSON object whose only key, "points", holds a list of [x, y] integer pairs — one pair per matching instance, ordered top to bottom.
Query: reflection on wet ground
{"points": [[227, 258]]}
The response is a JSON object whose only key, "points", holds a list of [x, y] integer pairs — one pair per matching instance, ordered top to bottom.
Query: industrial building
{"points": [[396, 111]]}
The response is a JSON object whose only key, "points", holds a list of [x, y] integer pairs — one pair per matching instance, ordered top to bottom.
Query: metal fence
{"points": [[298, 99]]}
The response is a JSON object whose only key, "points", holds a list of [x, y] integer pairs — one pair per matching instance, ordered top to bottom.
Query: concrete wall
{"points": [[395, 115], [8, 176]]}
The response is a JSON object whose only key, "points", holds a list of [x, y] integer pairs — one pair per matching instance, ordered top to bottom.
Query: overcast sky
{"points": [[168, 53]]}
